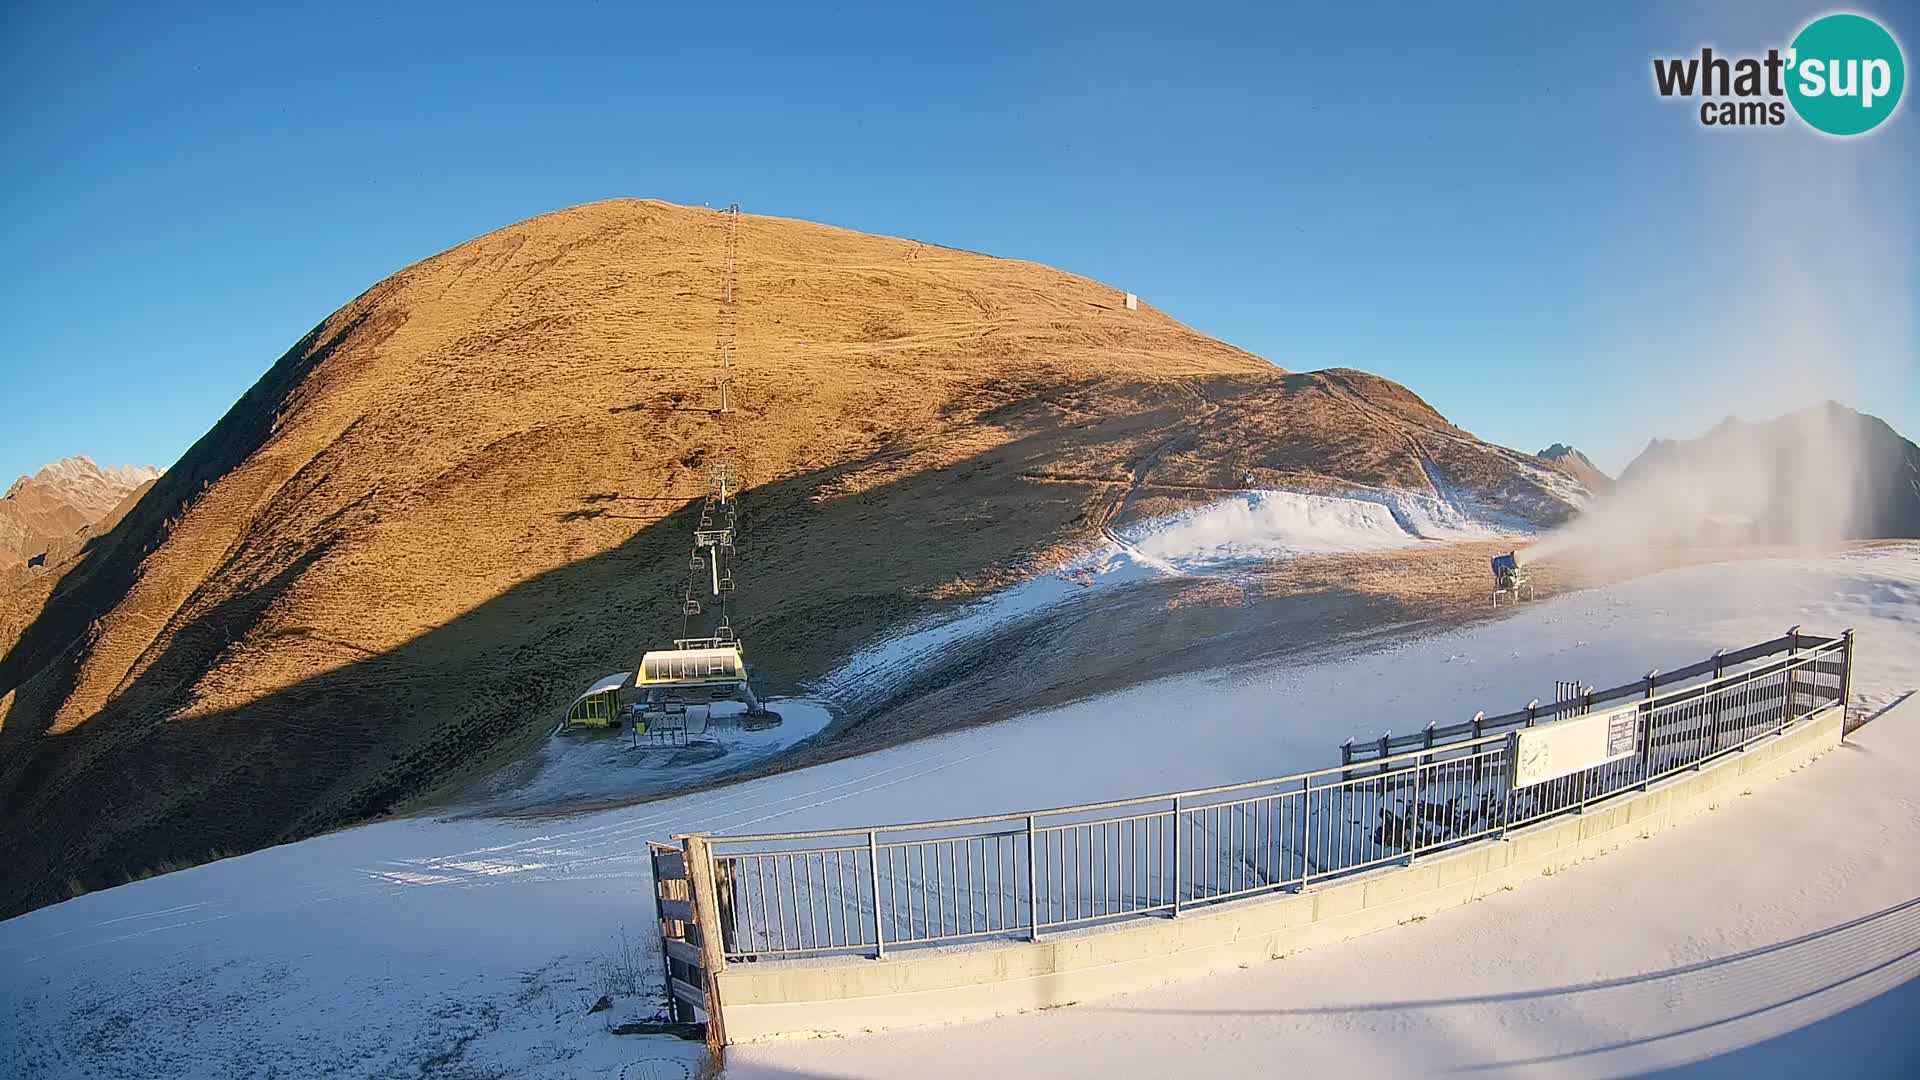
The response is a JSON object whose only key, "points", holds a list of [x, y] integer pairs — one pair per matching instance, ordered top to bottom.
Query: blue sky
{"points": [[1487, 204]]}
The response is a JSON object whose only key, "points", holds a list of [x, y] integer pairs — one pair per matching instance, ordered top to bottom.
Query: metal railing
{"points": [[1717, 665], [1022, 875]]}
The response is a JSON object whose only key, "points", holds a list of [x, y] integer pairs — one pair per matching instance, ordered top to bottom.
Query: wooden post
{"points": [[706, 912], [680, 1010]]}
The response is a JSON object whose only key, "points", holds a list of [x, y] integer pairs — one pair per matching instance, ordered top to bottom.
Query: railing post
{"points": [[1792, 677], [1846, 681], [1719, 693], [1586, 707], [1479, 759], [1646, 764], [1512, 775], [1414, 809], [1306, 828], [1176, 856], [873, 869], [1033, 888], [706, 912]]}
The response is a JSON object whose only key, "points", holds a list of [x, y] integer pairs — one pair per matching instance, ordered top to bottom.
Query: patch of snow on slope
{"points": [[1563, 486], [1451, 515], [1499, 516], [1261, 525], [1268, 525], [1250, 527], [898, 656], [583, 766]]}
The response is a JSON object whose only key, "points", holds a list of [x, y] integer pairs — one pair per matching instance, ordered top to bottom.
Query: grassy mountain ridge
{"points": [[468, 493]]}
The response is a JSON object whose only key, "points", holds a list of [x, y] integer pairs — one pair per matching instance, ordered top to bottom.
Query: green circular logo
{"points": [[1845, 74]]}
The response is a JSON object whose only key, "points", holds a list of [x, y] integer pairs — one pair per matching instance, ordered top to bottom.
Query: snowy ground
{"points": [[1263, 525], [1259, 526], [1251, 529], [588, 766], [1778, 937], [474, 948]]}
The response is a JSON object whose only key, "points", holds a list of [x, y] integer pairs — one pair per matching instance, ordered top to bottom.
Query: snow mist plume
{"points": [[1811, 300], [1805, 480]]}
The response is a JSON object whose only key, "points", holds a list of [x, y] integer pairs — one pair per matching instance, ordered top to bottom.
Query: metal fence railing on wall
{"points": [[1022, 875]]}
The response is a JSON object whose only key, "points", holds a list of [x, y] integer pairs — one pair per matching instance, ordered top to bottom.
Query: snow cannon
{"points": [[1509, 578]]}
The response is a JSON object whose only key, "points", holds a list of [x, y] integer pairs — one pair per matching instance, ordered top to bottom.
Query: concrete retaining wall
{"points": [[849, 995]]}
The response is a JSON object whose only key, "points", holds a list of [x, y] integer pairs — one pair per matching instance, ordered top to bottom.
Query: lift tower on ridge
{"points": [[706, 663]]}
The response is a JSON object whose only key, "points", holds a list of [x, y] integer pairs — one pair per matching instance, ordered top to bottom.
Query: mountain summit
{"points": [[1577, 465], [59, 501]]}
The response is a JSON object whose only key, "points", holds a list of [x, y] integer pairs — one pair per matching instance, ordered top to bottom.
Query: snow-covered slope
{"points": [[1268, 524], [1279, 524], [1230, 534], [1778, 937], [474, 947]]}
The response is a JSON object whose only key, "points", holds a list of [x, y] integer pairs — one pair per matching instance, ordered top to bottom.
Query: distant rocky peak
{"points": [[1563, 452], [79, 479]]}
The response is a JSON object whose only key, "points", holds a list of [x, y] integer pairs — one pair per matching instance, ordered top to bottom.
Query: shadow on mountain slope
{"points": [[148, 778]]}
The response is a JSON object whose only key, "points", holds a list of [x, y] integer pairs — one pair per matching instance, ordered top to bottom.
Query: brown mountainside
{"points": [[468, 493]]}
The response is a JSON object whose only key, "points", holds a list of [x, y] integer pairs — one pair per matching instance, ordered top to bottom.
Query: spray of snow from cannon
{"points": [[1801, 264]]}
